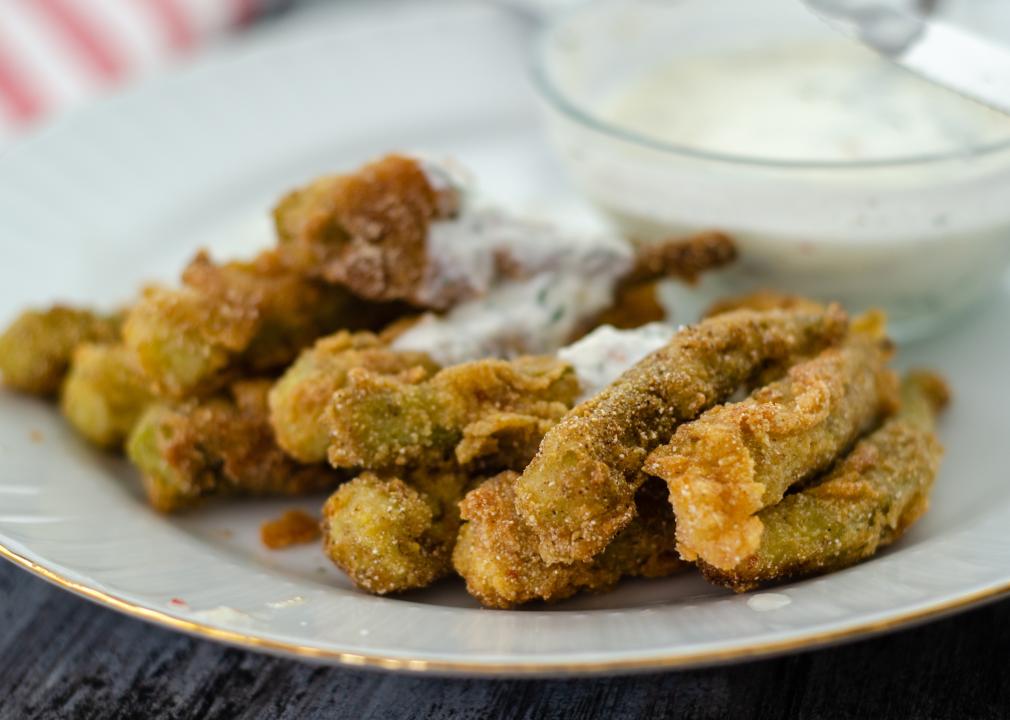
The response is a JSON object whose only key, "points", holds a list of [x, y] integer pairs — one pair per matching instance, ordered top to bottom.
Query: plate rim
{"points": [[671, 657], [476, 668]]}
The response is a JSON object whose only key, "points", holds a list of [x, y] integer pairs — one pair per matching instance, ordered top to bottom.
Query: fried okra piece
{"points": [[399, 229], [366, 230], [684, 258], [763, 300], [636, 302], [634, 306], [241, 318], [35, 350], [104, 394], [299, 399], [487, 409], [198, 449], [738, 458], [578, 492], [867, 501], [389, 535], [498, 556]]}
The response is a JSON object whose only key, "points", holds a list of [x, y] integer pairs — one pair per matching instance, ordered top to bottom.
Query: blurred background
{"points": [[55, 54]]}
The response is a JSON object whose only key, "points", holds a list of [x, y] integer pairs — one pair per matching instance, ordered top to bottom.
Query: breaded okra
{"points": [[400, 228], [367, 230], [681, 257], [636, 300], [762, 300], [241, 318], [35, 349], [104, 394], [299, 399], [493, 411], [222, 446], [738, 458], [579, 490], [867, 501], [392, 533], [389, 535], [498, 556]]}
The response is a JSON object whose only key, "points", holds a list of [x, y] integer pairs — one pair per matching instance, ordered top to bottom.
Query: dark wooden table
{"points": [[62, 657]]}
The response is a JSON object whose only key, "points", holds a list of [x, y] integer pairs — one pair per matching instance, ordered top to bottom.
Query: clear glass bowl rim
{"points": [[549, 29]]}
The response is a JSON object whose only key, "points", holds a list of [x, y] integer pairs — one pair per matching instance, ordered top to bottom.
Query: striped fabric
{"points": [[56, 53]]}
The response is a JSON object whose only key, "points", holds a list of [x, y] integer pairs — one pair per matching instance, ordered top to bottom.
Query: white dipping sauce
{"points": [[826, 101], [774, 131], [483, 250], [516, 286], [529, 317], [604, 354]]}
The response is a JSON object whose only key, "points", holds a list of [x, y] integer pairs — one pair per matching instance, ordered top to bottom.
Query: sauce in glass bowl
{"points": [[832, 101], [841, 177]]}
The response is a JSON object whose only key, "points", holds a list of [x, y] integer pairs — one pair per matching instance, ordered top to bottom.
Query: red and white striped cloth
{"points": [[56, 53]]}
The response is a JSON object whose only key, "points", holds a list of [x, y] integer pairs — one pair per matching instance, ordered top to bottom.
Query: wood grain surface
{"points": [[63, 657]]}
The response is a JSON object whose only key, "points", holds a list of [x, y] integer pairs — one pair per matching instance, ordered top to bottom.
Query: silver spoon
{"points": [[940, 52]]}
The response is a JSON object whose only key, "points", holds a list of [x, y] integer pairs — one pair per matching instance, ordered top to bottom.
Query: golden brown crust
{"points": [[366, 230], [683, 258], [635, 299], [761, 300], [634, 305], [237, 319], [36, 349], [924, 386], [104, 394], [299, 400], [385, 421], [504, 439], [218, 447], [738, 458], [578, 492], [867, 501], [294, 527], [395, 531], [389, 535], [497, 555]]}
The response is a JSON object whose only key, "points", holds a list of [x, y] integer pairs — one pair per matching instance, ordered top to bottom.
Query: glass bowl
{"points": [[920, 236]]}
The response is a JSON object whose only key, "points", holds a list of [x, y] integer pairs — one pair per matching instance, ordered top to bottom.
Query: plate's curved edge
{"points": [[629, 661], [675, 661]]}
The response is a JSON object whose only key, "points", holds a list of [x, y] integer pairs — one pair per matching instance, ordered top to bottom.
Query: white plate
{"points": [[126, 190]]}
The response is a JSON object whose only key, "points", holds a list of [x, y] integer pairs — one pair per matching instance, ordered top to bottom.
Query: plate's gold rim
{"points": [[681, 660]]}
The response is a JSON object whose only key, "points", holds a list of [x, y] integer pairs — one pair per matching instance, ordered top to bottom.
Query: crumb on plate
{"points": [[294, 527]]}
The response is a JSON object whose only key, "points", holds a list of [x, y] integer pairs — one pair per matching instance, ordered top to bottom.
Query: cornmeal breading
{"points": [[36, 349], [198, 449], [738, 458], [579, 491], [867, 501], [498, 556]]}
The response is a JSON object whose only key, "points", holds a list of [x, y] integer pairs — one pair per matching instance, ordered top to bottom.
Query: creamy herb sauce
{"points": [[827, 101], [515, 286], [604, 354]]}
